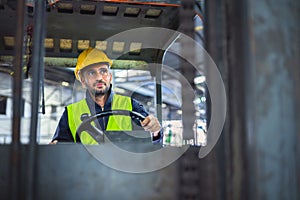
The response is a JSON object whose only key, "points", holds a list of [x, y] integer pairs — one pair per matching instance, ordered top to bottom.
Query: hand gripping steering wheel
{"points": [[95, 132]]}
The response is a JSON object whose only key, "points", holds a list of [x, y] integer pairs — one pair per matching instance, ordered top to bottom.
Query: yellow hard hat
{"points": [[90, 56]]}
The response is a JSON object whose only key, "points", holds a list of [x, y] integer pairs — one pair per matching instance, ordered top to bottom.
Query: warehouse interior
{"points": [[222, 76]]}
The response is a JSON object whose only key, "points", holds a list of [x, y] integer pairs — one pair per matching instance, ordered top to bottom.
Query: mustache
{"points": [[99, 82]]}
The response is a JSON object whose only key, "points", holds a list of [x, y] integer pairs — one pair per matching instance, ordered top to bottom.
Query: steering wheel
{"points": [[95, 132]]}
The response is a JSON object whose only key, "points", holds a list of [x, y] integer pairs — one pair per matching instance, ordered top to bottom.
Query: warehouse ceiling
{"points": [[72, 26]]}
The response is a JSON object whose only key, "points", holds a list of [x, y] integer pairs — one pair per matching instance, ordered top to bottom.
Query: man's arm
{"points": [[150, 123], [63, 132]]}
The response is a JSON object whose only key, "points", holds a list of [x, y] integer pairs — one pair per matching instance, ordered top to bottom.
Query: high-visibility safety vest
{"points": [[115, 122]]}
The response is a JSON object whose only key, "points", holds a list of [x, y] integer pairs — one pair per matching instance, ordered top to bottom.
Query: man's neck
{"points": [[100, 100]]}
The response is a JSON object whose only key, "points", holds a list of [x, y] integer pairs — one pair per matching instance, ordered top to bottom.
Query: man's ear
{"points": [[82, 81], [83, 84]]}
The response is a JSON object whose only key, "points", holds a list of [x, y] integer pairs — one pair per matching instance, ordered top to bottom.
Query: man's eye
{"points": [[103, 71], [91, 73]]}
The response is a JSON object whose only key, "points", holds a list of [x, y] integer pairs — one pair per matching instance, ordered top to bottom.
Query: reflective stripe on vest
{"points": [[115, 122]]}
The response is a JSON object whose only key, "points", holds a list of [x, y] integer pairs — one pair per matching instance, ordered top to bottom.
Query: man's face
{"points": [[97, 79]]}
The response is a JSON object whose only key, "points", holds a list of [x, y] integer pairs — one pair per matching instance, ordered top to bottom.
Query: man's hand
{"points": [[151, 124], [53, 142]]}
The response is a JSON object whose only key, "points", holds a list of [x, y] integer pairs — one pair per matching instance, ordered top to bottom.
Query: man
{"points": [[93, 72]]}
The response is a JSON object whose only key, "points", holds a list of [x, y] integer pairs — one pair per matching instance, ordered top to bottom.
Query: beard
{"points": [[99, 92]]}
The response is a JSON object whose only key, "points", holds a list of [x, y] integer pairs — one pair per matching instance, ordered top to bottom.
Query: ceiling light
{"points": [[110, 10], [131, 12], [153, 13], [9, 41], [49, 43], [65, 44], [83, 44], [101, 45], [118, 46], [135, 47]]}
